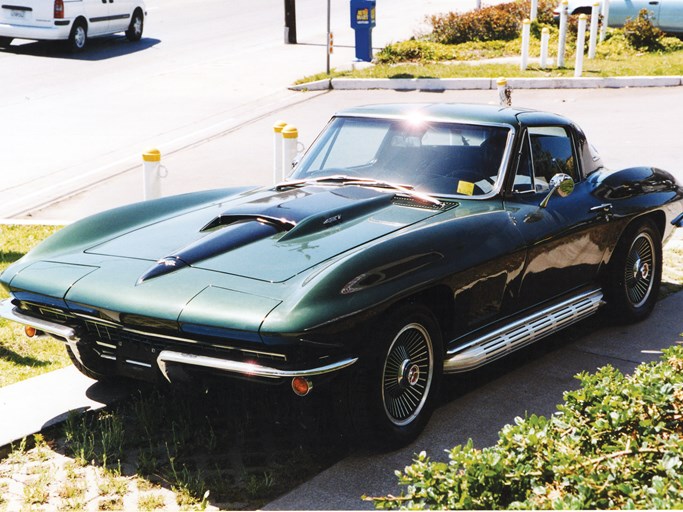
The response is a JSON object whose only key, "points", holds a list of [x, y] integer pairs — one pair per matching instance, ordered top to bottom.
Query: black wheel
{"points": [[137, 24], [78, 37], [5, 41], [635, 272], [91, 364], [394, 390]]}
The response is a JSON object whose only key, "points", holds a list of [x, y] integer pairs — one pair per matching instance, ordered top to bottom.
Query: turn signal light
{"points": [[59, 9], [30, 331], [301, 386]]}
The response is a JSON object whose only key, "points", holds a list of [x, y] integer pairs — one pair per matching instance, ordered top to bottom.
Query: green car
{"points": [[409, 242]]}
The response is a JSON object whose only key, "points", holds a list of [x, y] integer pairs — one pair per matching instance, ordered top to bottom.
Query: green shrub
{"points": [[500, 22], [641, 33], [414, 50], [615, 443]]}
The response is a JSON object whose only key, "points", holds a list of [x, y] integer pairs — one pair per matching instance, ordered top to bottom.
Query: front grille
{"points": [[46, 312], [111, 338]]}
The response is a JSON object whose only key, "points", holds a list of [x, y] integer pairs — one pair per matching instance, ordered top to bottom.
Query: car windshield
{"points": [[432, 157]]}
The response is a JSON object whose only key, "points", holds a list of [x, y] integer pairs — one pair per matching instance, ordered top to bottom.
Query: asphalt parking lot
{"points": [[628, 126]]}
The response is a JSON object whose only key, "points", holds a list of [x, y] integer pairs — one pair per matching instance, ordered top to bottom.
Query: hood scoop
{"points": [[310, 214], [248, 223], [237, 234]]}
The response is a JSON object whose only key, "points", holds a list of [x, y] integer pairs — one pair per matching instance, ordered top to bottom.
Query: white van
{"points": [[70, 20]]}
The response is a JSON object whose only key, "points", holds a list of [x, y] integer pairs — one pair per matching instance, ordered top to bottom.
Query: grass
{"points": [[415, 59], [21, 357], [229, 445]]}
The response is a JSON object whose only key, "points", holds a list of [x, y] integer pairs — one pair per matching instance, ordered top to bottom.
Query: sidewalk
{"points": [[53, 396]]}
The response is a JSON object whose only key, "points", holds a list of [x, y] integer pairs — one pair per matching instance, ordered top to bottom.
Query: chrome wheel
{"points": [[79, 37], [639, 270], [407, 375]]}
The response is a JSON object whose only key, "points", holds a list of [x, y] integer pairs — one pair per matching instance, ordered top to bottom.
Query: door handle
{"points": [[654, 2], [603, 210]]}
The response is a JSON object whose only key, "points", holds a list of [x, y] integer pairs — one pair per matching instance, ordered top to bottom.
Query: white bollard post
{"points": [[534, 10], [605, 19], [595, 21], [526, 36], [545, 40], [562, 42], [580, 43], [504, 92], [290, 143], [277, 150], [151, 174]]}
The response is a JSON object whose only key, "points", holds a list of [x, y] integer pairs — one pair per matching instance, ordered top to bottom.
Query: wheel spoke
{"points": [[407, 374]]}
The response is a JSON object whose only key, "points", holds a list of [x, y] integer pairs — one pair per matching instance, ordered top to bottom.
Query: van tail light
{"points": [[59, 9]]}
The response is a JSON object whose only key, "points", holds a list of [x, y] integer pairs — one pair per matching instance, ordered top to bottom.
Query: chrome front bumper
{"points": [[8, 311], [167, 357], [242, 368]]}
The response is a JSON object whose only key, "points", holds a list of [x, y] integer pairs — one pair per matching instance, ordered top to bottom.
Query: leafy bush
{"points": [[500, 22], [641, 33], [414, 50], [615, 443]]}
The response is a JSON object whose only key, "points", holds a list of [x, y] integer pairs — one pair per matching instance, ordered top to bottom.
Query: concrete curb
{"points": [[443, 84]]}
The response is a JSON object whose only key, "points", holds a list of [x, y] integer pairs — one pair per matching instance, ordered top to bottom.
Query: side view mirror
{"points": [[561, 184]]}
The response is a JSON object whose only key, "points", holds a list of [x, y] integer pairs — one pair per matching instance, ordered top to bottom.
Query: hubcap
{"points": [[137, 26], [79, 37], [639, 275], [407, 376]]}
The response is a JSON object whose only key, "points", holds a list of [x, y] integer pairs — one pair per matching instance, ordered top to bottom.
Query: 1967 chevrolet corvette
{"points": [[409, 242]]}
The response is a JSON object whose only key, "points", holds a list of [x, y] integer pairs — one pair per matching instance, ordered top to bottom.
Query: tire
{"points": [[137, 25], [78, 38], [5, 41], [635, 272], [92, 365], [394, 391]]}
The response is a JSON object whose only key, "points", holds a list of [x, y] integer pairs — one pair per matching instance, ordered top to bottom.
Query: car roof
{"points": [[456, 112]]}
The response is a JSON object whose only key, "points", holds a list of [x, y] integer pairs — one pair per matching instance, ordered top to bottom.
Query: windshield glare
{"points": [[431, 157]]}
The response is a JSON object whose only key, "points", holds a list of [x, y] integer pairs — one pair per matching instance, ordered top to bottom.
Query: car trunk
{"points": [[36, 13]]}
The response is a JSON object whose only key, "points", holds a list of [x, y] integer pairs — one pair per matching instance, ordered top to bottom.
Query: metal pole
{"points": [[605, 19], [595, 20], [290, 21], [526, 35], [328, 36], [562, 41], [580, 43]]}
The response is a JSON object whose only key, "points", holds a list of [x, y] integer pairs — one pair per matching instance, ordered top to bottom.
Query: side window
{"points": [[546, 151]]}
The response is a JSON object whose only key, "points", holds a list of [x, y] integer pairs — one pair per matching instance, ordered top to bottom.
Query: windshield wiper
{"points": [[337, 178], [362, 182]]}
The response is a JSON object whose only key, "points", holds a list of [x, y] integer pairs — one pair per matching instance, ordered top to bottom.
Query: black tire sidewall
{"points": [[131, 35], [71, 43], [618, 302], [369, 415]]}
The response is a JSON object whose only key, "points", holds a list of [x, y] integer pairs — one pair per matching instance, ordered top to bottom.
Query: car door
{"points": [[622, 10], [120, 12], [97, 14], [671, 16], [567, 239]]}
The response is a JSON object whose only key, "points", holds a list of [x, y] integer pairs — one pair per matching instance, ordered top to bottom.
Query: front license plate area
{"points": [[137, 359]]}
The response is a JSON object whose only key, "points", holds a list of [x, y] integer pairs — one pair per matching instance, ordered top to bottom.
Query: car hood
{"points": [[266, 235]]}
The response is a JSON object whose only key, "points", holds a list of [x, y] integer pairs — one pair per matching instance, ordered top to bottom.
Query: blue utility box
{"points": [[362, 22]]}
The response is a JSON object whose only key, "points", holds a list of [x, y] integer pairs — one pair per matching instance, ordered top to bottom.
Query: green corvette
{"points": [[410, 241]]}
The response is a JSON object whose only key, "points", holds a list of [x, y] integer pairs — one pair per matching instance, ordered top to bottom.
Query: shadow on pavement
{"points": [[101, 48]]}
